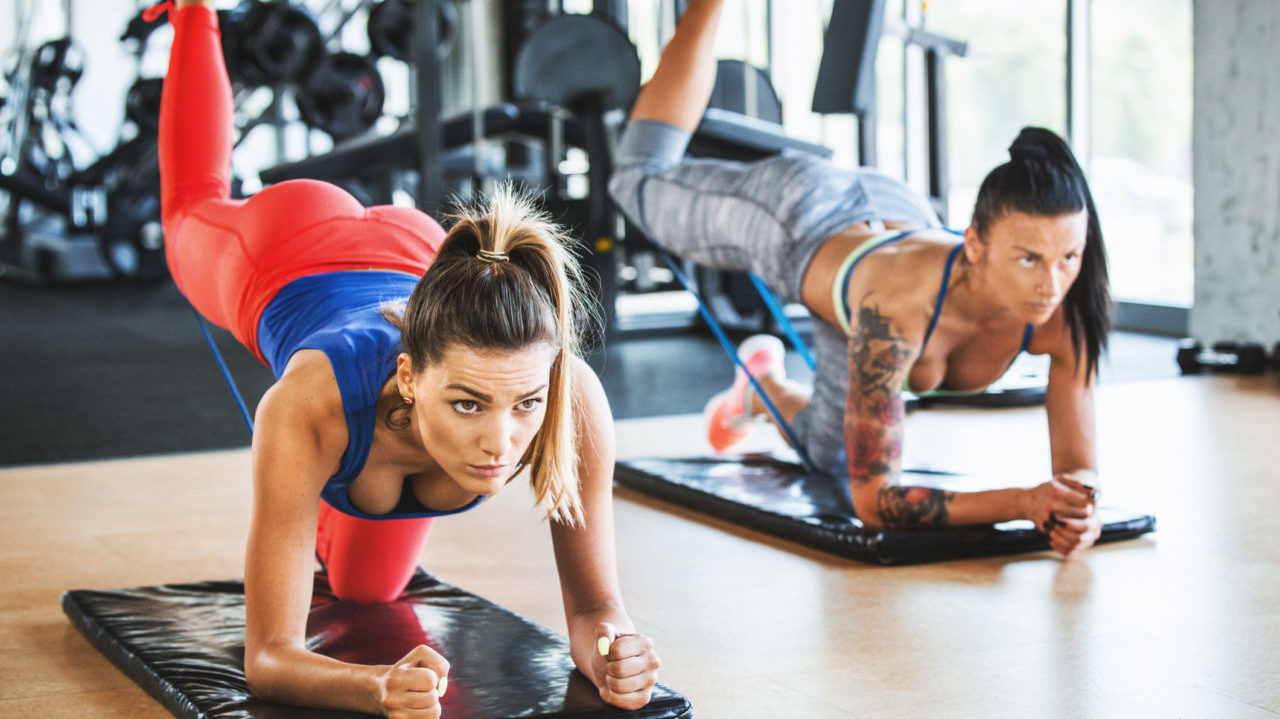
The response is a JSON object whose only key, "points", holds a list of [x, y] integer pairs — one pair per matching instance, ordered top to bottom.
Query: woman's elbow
{"points": [[867, 509], [871, 520], [262, 671]]}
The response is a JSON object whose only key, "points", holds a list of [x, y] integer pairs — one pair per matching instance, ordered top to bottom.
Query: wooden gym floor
{"points": [[1182, 623]]}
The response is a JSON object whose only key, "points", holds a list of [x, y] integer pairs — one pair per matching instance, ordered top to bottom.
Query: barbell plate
{"points": [[572, 58]]}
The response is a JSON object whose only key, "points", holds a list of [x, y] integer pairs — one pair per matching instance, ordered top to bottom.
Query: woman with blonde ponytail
{"points": [[504, 279], [418, 373]]}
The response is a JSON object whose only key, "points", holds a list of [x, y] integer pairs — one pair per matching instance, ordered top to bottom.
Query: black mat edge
{"points": [[853, 544], [884, 547], [110, 646]]}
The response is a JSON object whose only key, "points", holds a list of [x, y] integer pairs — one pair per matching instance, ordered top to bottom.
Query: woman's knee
{"points": [[369, 560], [381, 590]]}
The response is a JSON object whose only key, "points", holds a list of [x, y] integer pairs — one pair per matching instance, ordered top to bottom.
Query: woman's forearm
{"points": [[899, 507], [293, 675]]}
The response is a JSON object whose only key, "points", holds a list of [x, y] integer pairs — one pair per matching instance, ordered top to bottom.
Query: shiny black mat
{"points": [[777, 497], [184, 644]]}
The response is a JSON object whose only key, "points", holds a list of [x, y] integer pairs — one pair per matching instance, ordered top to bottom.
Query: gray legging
{"points": [[767, 217]]}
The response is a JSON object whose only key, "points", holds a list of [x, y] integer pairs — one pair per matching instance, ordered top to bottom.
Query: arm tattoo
{"points": [[879, 360], [873, 410], [913, 506]]}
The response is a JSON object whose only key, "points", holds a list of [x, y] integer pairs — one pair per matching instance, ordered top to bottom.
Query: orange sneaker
{"points": [[728, 414]]}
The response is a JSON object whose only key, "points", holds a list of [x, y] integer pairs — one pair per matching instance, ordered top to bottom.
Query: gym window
{"points": [[1115, 78]]}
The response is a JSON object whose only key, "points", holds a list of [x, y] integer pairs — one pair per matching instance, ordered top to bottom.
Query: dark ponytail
{"points": [[1042, 177]]}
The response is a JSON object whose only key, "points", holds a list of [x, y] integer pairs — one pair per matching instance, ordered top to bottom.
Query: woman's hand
{"points": [[1064, 508], [1072, 535], [627, 667], [412, 687]]}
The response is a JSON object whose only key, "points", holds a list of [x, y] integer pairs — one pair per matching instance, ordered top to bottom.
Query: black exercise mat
{"points": [[765, 493], [184, 644]]}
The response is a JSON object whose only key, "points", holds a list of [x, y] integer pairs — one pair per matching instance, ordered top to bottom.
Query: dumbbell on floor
{"points": [[1240, 358]]}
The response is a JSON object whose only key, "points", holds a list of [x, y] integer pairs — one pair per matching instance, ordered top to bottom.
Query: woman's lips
{"points": [[488, 470]]}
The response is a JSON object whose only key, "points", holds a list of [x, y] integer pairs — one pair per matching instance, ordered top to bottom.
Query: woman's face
{"points": [[1030, 261], [476, 411]]}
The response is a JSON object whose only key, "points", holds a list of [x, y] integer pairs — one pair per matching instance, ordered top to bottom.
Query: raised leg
{"points": [[680, 88]]}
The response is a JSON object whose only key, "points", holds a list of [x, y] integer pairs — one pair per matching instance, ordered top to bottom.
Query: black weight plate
{"points": [[391, 26], [273, 42], [571, 58], [343, 95]]}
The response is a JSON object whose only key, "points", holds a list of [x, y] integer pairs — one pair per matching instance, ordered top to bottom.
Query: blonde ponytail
{"points": [[505, 278]]}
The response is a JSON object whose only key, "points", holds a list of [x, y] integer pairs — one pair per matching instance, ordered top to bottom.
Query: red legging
{"points": [[230, 257]]}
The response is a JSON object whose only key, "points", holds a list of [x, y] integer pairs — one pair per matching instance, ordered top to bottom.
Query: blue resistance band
{"points": [[788, 329], [733, 355], [226, 373]]}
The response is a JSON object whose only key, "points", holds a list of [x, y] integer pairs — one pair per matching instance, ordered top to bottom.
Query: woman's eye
{"points": [[1072, 257], [1027, 261], [530, 405], [466, 406]]}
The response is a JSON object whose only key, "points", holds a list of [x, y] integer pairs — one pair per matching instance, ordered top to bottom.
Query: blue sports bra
{"points": [[840, 287], [340, 314]]}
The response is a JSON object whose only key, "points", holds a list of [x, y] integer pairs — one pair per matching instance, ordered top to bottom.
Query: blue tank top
{"points": [[340, 314]]}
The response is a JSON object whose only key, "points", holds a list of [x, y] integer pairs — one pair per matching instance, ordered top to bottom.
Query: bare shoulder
{"points": [[899, 282], [890, 314], [1053, 338], [1066, 360], [582, 373], [588, 393], [303, 410]]}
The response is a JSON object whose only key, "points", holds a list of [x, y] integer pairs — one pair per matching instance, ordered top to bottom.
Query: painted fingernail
{"points": [[603, 645], [442, 686]]}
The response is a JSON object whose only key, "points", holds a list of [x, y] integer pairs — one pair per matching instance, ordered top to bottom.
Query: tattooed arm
{"points": [[880, 356]]}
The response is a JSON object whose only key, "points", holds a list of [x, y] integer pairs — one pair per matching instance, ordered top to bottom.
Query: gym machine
{"points": [[846, 82]]}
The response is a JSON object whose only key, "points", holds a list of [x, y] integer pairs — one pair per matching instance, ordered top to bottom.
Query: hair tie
{"points": [[489, 256]]}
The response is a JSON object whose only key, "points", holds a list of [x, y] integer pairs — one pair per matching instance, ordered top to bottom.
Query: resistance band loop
{"points": [[733, 355], [226, 373]]}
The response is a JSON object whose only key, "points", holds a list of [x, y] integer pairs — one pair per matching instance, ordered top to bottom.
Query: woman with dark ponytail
{"points": [[1043, 178], [898, 302], [418, 373]]}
